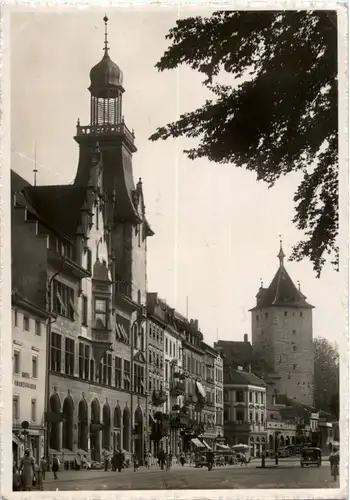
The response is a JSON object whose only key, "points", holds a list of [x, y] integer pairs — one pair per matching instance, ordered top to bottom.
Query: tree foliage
{"points": [[279, 115], [326, 376]]}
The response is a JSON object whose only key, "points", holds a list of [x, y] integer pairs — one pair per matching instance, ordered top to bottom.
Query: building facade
{"points": [[85, 244], [282, 334], [29, 372], [219, 396], [245, 410], [209, 433]]}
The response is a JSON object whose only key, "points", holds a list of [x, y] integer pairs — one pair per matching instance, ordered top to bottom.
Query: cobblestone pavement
{"points": [[288, 474]]}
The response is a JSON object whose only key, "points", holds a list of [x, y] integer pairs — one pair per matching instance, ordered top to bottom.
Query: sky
{"points": [[216, 228]]}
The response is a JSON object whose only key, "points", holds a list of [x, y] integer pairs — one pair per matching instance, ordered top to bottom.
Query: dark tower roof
{"points": [[106, 77], [282, 291]]}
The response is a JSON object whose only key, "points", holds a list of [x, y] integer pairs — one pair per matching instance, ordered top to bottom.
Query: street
{"points": [[288, 474]]}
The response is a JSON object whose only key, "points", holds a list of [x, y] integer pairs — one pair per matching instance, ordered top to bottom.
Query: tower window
{"points": [[285, 313], [294, 332], [294, 348]]}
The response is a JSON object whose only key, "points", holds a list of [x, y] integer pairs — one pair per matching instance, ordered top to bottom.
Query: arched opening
{"points": [[117, 417], [83, 425], [67, 428], [126, 429], [55, 430], [95, 431], [106, 432], [138, 433], [293, 439], [281, 441], [287, 441], [270, 442]]}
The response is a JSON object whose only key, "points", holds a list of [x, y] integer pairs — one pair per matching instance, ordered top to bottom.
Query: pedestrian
{"points": [[120, 458], [161, 458], [106, 459], [148, 459], [182, 459], [210, 459], [135, 461], [55, 466], [43, 467], [27, 468], [15, 477]]}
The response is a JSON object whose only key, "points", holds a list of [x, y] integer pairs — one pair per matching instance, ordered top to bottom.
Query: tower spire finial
{"points": [[106, 48], [35, 170], [281, 255]]}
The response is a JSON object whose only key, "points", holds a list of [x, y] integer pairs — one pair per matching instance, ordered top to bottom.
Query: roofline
{"points": [[19, 301], [293, 306]]}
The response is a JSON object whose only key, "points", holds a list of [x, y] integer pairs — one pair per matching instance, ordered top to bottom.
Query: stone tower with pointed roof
{"points": [[282, 334]]}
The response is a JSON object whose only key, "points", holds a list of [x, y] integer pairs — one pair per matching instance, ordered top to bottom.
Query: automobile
{"points": [[311, 456]]}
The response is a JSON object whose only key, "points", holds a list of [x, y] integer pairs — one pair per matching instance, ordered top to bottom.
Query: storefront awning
{"points": [[201, 389], [17, 440], [197, 443], [206, 445], [223, 446]]}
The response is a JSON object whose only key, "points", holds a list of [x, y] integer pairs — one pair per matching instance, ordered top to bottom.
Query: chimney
{"points": [[245, 338]]}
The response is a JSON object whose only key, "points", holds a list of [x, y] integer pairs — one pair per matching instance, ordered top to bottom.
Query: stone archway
{"points": [[55, 427], [67, 427], [126, 429], [106, 432], [138, 434], [95, 438], [83, 440], [293, 440], [281, 441], [287, 441], [271, 443]]}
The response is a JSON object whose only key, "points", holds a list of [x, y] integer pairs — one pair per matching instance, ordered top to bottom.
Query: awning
{"points": [[121, 332], [201, 389], [17, 440], [197, 443], [206, 445], [223, 446]]}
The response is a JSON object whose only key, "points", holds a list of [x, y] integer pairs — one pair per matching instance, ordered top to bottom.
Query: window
{"points": [[88, 259], [63, 300], [85, 311], [101, 312], [285, 313], [301, 314], [16, 317], [26, 323], [37, 328], [294, 332], [135, 336], [166, 346], [56, 347], [294, 348], [69, 356], [84, 361], [16, 366], [34, 367], [294, 367], [109, 369], [92, 370], [105, 370], [166, 371], [118, 372], [126, 375], [138, 379], [239, 397], [250, 397], [256, 397], [262, 398], [15, 407], [33, 410], [240, 416], [251, 417], [256, 418]]}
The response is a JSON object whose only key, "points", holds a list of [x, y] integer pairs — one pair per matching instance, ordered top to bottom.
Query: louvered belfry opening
{"points": [[106, 110]]}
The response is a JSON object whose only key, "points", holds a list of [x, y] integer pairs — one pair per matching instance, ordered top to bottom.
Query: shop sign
{"points": [[25, 384]]}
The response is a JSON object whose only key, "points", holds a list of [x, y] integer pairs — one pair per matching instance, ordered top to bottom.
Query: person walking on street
{"points": [[161, 458], [210, 459], [106, 460], [136, 462], [55, 466], [27, 468], [42, 472]]}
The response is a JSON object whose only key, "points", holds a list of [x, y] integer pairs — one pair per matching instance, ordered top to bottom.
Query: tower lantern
{"points": [[106, 89]]}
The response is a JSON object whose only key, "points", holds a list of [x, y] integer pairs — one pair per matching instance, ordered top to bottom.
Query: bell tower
{"points": [[116, 143]]}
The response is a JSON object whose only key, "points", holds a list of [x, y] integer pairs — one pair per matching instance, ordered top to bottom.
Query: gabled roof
{"points": [[282, 291], [232, 376]]}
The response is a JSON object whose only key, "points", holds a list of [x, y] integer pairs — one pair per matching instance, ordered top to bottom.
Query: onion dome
{"points": [[106, 77]]}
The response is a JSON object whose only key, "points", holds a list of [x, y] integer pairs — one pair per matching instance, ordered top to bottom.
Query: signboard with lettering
{"points": [[25, 384]]}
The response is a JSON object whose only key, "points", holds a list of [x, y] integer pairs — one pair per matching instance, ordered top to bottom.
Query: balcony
{"points": [[109, 129], [123, 287], [102, 336], [178, 389], [159, 398], [178, 421]]}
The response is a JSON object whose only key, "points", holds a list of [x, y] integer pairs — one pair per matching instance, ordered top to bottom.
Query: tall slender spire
{"points": [[106, 48], [35, 170], [281, 255]]}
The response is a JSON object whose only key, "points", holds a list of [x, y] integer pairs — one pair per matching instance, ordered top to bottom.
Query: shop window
{"points": [[26, 324], [56, 352]]}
